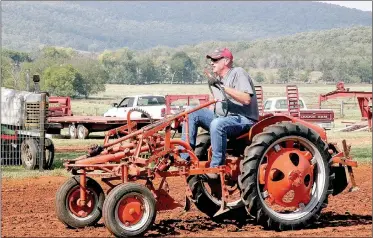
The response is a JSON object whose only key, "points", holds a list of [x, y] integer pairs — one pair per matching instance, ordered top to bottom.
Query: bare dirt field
{"points": [[28, 211]]}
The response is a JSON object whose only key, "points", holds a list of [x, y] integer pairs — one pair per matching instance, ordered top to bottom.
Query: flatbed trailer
{"points": [[60, 113], [81, 126]]}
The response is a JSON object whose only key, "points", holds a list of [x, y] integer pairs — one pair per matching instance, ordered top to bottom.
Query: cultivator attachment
{"points": [[342, 166]]}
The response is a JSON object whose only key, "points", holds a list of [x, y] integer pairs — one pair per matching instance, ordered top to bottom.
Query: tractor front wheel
{"points": [[30, 153], [285, 176], [68, 207], [129, 210]]}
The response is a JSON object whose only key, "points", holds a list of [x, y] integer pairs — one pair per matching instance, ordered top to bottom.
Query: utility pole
{"points": [[28, 80]]}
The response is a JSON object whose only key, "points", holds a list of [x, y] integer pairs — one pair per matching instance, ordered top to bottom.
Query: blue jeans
{"points": [[219, 127]]}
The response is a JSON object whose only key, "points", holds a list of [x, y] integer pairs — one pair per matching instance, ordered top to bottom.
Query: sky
{"points": [[361, 5]]}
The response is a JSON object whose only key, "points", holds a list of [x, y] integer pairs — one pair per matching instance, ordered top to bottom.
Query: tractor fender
{"points": [[270, 120]]}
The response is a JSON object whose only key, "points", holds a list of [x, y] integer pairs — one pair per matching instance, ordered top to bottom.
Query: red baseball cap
{"points": [[220, 53]]}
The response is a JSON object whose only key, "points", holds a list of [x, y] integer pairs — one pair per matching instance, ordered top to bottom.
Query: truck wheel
{"points": [[72, 131], [82, 131], [29, 153], [49, 154], [285, 176], [207, 195], [67, 208], [129, 210]]}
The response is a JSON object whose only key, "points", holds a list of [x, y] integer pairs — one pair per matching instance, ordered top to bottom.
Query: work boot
{"points": [[210, 176]]}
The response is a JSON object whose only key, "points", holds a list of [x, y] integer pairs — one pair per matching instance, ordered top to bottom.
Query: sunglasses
{"points": [[216, 60]]}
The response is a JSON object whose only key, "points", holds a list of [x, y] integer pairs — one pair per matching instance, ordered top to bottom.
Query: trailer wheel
{"points": [[82, 131], [73, 133], [29, 153], [49, 154], [285, 176], [207, 195], [67, 208], [129, 210]]}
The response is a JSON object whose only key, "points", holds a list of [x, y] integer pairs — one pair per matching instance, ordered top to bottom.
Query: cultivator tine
{"points": [[346, 151], [224, 195], [187, 204], [223, 209]]}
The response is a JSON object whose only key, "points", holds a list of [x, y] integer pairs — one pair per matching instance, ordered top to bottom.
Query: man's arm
{"points": [[239, 96]]}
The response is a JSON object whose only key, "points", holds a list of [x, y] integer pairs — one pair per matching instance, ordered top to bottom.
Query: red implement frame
{"points": [[202, 98], [260, 98], [363, 98], [293, 100], [123, 159]]}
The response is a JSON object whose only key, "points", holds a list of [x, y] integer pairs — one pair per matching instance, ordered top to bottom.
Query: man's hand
{"points": [[214, 81]]}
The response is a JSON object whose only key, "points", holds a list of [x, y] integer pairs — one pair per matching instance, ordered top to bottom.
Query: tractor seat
{"points": [[245, 133]]}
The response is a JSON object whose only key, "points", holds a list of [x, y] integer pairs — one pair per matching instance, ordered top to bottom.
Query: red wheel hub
{"points": [[288, 177], [74, 203], [130, 211]]}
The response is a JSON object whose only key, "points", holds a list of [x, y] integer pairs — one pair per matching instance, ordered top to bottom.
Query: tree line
{"points": [[339, 55]]}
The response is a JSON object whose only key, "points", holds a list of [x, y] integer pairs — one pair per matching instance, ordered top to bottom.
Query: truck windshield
{"points": [[151, 101], [283, 104], [267, 105]]}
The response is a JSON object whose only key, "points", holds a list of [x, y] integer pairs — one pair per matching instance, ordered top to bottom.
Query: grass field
{"points": [[97, 104]]}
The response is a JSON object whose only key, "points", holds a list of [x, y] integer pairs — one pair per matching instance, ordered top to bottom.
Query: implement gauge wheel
{"points": [[286, 176], [68, 209], [129, 210]]}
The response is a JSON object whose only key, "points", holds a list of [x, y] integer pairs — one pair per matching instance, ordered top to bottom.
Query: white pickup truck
{"points": [[155, 105], [322, 117]]}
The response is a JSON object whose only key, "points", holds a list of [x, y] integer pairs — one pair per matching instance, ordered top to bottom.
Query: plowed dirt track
{"points": [[28, 210]]}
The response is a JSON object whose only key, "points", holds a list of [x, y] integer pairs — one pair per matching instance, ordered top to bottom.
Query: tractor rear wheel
{"points": [[286, 176], [207, 195], [67, 203], [129, 210]]}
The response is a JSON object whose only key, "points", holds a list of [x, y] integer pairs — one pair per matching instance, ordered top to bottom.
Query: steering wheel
{"points": [[218, 86], [225, 100]]}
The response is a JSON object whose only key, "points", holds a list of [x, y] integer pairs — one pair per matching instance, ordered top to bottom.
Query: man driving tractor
{"points": [[229, 118]]}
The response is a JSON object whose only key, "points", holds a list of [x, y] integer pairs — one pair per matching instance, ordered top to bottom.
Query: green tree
{"points": [[120, 66], [182, 68], [146, 71], [286, 74], [93, 75], [305, 76], [260, 77], [63, 81]]}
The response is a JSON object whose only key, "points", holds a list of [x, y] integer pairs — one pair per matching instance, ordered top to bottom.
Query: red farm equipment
{"points": [[364, 100], [281, 172]]}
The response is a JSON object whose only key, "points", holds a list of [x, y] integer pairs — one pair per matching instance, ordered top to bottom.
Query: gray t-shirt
{"points": [[240, 80]]}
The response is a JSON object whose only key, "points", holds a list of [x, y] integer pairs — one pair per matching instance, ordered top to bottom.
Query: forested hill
{"points": [[95, 26]]}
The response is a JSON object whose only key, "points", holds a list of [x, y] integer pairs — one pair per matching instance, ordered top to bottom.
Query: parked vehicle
{"points": [[154, 105], [322, 117]]}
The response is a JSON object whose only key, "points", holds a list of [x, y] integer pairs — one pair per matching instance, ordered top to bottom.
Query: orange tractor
{"points": [[281, 172]]}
